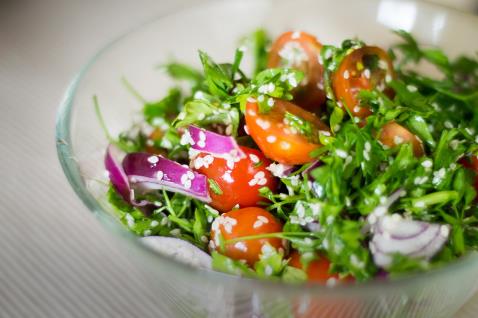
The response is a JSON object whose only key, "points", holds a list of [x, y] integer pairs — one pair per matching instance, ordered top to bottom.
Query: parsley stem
{"points": [[133, 91], [102, 121], [434, 198], [168, 203], [281, 235]]}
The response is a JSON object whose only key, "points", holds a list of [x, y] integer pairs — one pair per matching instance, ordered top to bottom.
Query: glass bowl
{"points": [[215, 27]]}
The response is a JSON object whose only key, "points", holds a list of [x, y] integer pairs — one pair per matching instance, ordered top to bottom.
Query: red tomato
{"points": [[300, 51], [357, 72], [393, 134], [277, 140], [239, 182], [241, 223], [317, 270]]}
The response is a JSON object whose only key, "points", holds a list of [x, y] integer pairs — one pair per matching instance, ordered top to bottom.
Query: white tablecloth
{"points": [[56, 260]]}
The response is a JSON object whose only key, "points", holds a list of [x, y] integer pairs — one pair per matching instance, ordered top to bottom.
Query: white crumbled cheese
{"points": [[296, 35], [293, 54], [367, 73], [346, 74], [412, 88], [270, 102], [264, 124], [448, 124], [186, 139], [271, 139], [397, 140], [454, 144], [285, 145], [341, 153], [254, 158], [153, 159], [205, 161], [427, 163], [277, 169], [159, 175], [438, 176], [227, 177], [258, 179], [419, 204], [154, 223], [444, 230], [175, 232], [241, 246], [331, 282]]}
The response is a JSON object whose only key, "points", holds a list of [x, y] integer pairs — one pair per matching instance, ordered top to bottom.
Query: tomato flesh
{"points": [[300, 51], [355, 74], [393, 134], [277, 140], [238, 182], [241, 223]]}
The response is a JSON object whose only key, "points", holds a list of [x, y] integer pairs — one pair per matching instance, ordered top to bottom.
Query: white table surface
{"points": [[56, 260]]}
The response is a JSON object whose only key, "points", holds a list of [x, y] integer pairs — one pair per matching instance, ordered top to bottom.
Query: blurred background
{"points": [[56, 259]]}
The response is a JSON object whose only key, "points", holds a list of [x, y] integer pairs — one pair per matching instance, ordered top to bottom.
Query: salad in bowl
{"points": [[327, 164]]}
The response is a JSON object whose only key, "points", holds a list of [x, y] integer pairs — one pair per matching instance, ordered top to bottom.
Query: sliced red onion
{"points": [[209, 142], [146, 172], [117, 176], [393, 234], [416, 239], [179, 250]]}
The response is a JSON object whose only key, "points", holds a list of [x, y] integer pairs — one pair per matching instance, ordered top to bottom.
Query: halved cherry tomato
{"points": [[300, 51], [365, 68], [393, 134], [156, 135], [277, 140], [238, 182], [241, 223], [317, 270]]}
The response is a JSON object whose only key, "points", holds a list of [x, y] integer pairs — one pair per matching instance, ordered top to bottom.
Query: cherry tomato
{"points": [[300, 51], [365, 68], [393, 134], [156, 135], [277, 139], [238, 182], [245, 222], [317, 270]]}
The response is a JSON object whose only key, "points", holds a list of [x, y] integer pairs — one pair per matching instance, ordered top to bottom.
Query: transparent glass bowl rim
{"points": [[71, 169]]}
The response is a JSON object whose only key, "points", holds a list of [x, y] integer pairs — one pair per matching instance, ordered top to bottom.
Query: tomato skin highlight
{"points": [[349, 79], [310, 94], [393, 134], [275, 138], [236, 184], [245, 222]]}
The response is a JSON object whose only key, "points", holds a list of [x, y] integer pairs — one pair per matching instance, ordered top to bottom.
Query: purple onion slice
{"points": [[212, 143], [146, 172]]}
